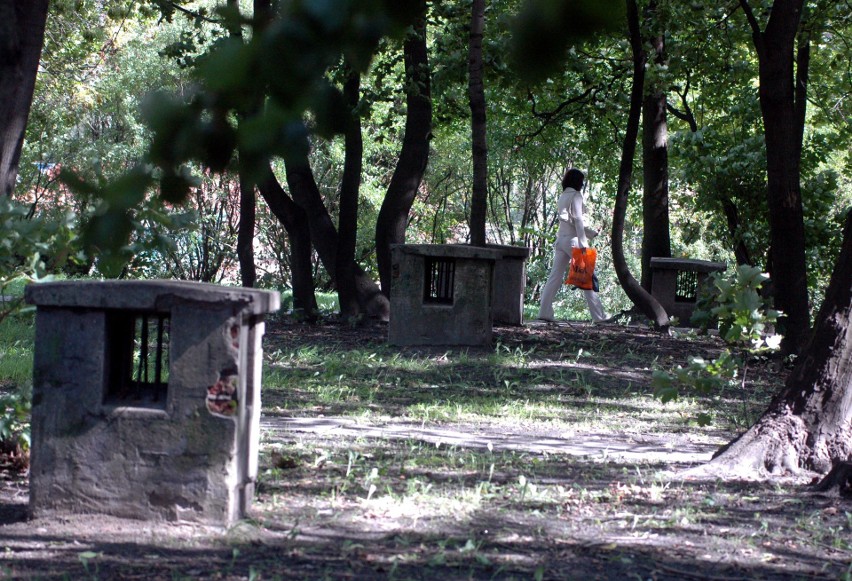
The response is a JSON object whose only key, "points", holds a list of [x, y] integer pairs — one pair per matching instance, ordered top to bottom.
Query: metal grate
{"points": [[440, 280], [686, 286], [138, 358]]}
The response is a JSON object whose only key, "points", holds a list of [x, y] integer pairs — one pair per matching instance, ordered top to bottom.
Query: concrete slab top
{"points": [[451, 251], [509, 251], [689, 264], [154, 295]]}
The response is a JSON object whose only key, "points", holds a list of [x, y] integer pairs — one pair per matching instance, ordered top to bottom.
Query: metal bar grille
{"points": [[440, 280], [686, 286], [138, 358], [158, 364], [142, 368]]}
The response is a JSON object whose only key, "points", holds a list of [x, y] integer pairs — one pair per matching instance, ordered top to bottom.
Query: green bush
{"points": [[746, 319], [746, 323], [16, 368], [15, 410]]}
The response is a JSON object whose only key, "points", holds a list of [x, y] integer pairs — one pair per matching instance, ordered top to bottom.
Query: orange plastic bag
{"points": [[581, 272]]}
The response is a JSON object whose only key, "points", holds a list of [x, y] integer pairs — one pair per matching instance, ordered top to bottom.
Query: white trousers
{"points": [[561, 260]]}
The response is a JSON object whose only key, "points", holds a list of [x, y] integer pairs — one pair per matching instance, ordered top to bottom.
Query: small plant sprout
{"points": [[746, 323]]}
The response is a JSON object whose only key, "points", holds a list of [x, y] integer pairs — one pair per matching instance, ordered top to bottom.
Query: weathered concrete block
{"points": [[510, 281], [676, 283], [441, 294], [146, 398]]}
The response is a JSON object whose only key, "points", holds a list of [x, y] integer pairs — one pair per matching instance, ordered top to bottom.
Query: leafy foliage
{"points": [[101, 59], [33, 246], [745, 317], [746, 323], [15, 410]]}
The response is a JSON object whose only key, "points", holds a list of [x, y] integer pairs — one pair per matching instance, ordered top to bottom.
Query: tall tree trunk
{"points": [[21, 38], [476, 89], [782, 104], [303, 188], [248, 200], [393, 215], [732, 215], [295, 222], [347, 226], [245, 232], [656, 240], [634, 291], [809, 424]]}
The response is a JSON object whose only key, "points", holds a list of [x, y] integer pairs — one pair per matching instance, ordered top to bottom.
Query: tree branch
{"points": [[752, 21], [803, 60], [685, 115], [549, 116]]}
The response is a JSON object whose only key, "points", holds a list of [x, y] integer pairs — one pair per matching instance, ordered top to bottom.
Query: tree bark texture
{"points": [[21, 38], [476, 90], [782, 105], [414, 154], [303, 188], [248, 198], [732, 216], [295, 222], [347, 223], [245, 232], [656, 240], [634, 291], [808, 426]]}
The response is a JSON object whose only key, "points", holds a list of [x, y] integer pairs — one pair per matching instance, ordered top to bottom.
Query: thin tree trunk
{"points": [[21, 39], [476, 88], [782, 104], [414, 155], [248, 201], [295, 222], [347, 226], [245, 232], [741, 253], [634, 291], [809, 424]]}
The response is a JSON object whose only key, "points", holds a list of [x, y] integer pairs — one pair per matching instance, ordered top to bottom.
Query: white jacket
{"points": [[570, 210]]}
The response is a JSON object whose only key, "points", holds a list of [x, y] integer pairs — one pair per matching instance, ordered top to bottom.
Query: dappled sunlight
{"points": [[544, 455]]}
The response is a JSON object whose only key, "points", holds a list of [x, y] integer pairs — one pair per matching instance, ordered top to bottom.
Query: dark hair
{"points": [[574, 178]]}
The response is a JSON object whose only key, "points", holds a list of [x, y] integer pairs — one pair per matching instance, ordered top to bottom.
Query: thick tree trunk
{"points": [[21, 38], [476, 90], [783, 115], [303, 188], [393, 215], [295, 222], [347, 224], [656, 240], [634, 291], [808, 426]]}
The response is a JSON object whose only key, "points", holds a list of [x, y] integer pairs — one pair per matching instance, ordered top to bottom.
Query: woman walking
{"points": [[572, 234]]}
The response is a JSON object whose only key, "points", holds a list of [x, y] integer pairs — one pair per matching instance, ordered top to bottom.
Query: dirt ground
{"points": [[470, 514]]}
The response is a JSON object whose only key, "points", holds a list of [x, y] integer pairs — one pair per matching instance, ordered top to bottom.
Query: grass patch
{"points": [[17, 332], [602, 384]]}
